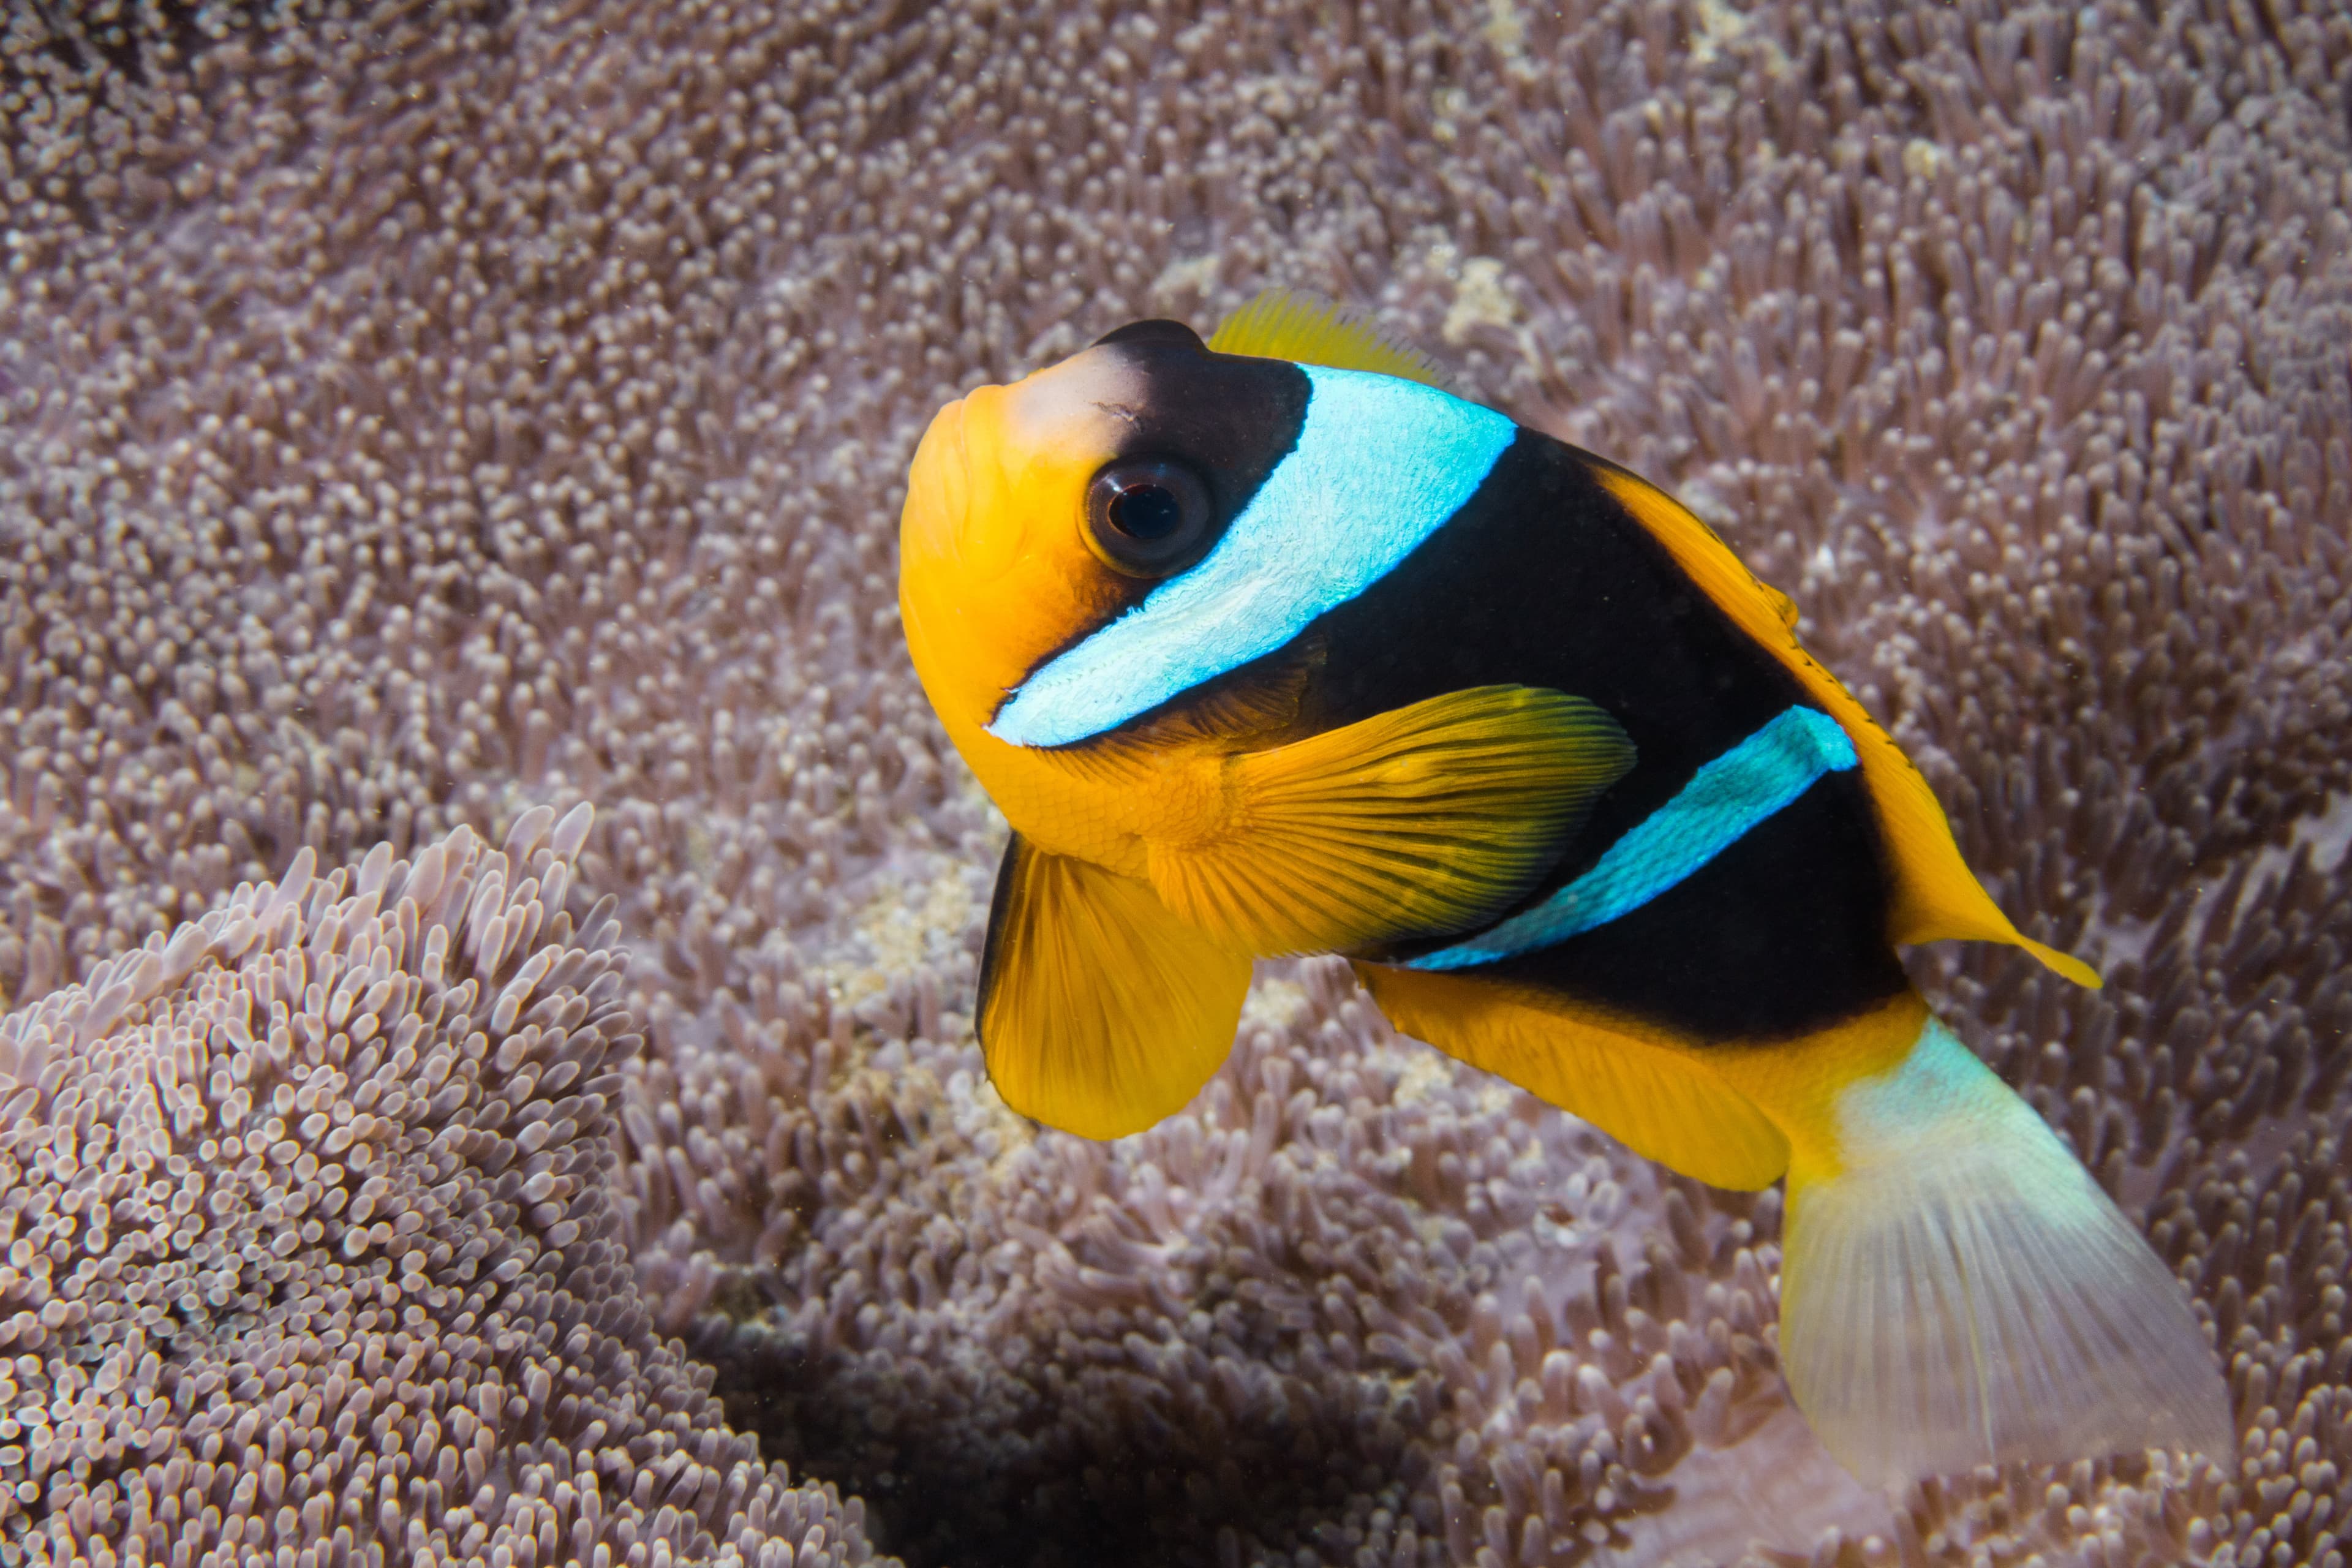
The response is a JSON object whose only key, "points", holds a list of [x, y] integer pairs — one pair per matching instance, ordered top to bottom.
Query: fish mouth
{"points": [[966, 516]]}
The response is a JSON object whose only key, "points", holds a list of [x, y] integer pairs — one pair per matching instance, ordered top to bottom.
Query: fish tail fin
{"points": [[1957, 1290]]}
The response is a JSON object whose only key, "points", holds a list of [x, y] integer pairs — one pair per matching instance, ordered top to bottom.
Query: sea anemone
{"points": [[414, 416], [308, 1213]]}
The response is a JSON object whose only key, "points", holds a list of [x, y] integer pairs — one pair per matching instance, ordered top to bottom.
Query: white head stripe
{"points": [[1380, 465]]}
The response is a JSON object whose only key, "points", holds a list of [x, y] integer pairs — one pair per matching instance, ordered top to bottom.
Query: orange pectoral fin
{"points": [[1414, 822], [1936, 896], [1100, 1012], [1660, 1100]]}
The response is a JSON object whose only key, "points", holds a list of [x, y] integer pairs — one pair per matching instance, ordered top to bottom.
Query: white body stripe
{"points": [[1380, 465]]}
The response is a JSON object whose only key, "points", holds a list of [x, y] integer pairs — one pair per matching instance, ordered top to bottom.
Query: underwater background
{"points": [[418, 422]]}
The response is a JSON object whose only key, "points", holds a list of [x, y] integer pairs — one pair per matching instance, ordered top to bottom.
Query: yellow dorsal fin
{"points": [[1288, 323], [1416, 822], [1936, 896], [1658, 1099]]}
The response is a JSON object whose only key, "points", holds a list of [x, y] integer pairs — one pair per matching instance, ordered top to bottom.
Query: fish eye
{"points": [[1147, 517]]}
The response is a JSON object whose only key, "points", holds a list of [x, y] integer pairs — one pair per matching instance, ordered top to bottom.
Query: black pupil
{"points": [[1145, 511]]}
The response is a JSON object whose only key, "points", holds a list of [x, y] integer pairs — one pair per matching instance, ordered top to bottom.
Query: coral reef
{"points": [[413, 415]]}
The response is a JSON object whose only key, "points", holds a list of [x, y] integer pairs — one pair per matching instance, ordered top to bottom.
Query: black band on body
{"points": [[1544, 579]]}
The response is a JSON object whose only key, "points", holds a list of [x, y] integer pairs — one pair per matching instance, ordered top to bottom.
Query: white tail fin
{"points": [[1960, 1292]]}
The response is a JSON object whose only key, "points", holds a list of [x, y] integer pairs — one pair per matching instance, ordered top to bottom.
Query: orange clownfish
{"points": [[1268, 645]]}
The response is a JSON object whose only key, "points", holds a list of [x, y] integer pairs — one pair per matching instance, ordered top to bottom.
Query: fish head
{"points": [[1040, 511]]}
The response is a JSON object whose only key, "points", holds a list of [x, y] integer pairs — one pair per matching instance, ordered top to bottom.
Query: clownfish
{"points": [[1269, 645]]}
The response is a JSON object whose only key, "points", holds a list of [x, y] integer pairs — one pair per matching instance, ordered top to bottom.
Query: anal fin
{"points": [[1100, 1012], [1658, 1100]]}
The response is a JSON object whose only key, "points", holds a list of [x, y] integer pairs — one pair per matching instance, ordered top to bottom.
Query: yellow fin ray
{"points": [[1289, 324], [1416, 822], [1935, 897], [1100, 1012], [1660, 1100]]}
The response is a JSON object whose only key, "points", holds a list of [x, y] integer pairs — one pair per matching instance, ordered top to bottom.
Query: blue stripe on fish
{"points": [[1380, 465], [1724, 801]]}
